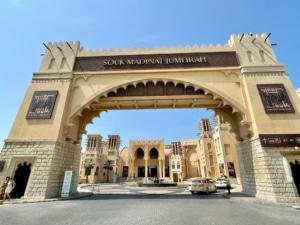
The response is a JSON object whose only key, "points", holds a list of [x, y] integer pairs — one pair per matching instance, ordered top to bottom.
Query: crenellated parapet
{"points": [[253, 49], [59, 57]]}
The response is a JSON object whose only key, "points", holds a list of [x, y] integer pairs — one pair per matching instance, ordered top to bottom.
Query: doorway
{"points": [[295, 167], [141, 171], [153, 172], [175, 177], [21, 178]]}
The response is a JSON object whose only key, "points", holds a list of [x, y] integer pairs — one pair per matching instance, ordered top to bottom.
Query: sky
{"points": [[27, 24]]}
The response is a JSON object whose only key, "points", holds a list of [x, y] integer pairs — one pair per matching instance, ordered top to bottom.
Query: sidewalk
{"points": [[81, 193], [238, 195]]}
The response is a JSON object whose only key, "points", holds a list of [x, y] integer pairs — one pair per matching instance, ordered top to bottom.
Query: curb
{"points": [[22, 201]]}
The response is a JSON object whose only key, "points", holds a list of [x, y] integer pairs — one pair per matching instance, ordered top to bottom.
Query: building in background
{"points": [[113, 146], [226, 152], [97, 153], [207, 153], [213, 154], [177, 165]]}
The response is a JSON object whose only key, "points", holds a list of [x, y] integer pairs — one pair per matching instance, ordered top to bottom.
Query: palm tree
{"points": [[108, 165], [88, 166]]}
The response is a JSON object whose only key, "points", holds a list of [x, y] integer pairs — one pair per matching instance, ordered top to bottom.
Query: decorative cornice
{"points": [[262, 69], [51, 76]]}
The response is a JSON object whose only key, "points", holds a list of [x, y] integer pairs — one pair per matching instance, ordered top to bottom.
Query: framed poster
{"points": [[275, 98], [42, 105], [231, 169], [67, 184]]}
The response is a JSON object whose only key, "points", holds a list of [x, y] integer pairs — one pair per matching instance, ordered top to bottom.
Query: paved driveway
{"points": [[148, 209]]}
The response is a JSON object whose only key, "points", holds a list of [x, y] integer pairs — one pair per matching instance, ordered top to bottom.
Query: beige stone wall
{"points": [[270, 123], [50, 129], [191, 159], [47, 171], [263, 174]]}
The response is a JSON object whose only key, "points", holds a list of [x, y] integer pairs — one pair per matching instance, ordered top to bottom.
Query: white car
{"points": [[221, 183], [198, 185]]}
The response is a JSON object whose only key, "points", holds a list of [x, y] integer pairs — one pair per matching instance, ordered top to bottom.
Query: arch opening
{"points": [[139, 153], [153, 154]]}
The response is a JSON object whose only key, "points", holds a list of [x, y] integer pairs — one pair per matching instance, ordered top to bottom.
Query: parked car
{"points": [[221, 182], [198, 185]]}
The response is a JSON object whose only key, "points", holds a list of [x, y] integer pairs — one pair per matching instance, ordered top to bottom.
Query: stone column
{"points": [[146, 168], [159, 168], [132, 169], [164, 169]]}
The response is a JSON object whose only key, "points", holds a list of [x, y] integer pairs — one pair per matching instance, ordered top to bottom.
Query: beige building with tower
{"points": [[241, 80], [225, 150], [97, 152], [207, 152], [96, 155], [145, 160]]}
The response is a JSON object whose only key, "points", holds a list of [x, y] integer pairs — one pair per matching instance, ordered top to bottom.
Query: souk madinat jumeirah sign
{"points": [[157, 61]]}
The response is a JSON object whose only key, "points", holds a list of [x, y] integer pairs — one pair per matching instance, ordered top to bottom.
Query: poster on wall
{"points": [[275, 98], [42, 105], [280, 140], [231, 169], [67, 184]]}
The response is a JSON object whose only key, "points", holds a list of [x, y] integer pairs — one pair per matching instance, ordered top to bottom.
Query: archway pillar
{"points": [[262, 168], [47, 171], [263, 174]]}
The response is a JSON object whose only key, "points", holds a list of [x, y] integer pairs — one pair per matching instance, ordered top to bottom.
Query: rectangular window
{"points": [[227, 149], [125, 171]]}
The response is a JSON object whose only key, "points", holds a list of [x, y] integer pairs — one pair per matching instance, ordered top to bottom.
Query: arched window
{"points": [[153, 153], [139, 154]]}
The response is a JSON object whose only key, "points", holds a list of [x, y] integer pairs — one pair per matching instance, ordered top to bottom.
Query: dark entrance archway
{"points": [[153, 153], [139, 154], [295, 167], [152, 171], [21, 178]]}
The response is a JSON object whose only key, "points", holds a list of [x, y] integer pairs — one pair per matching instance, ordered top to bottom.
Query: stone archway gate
{"points": [[241, 80]]}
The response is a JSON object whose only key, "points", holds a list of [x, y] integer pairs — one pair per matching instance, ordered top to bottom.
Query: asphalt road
{"points": [[140, 210]]}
